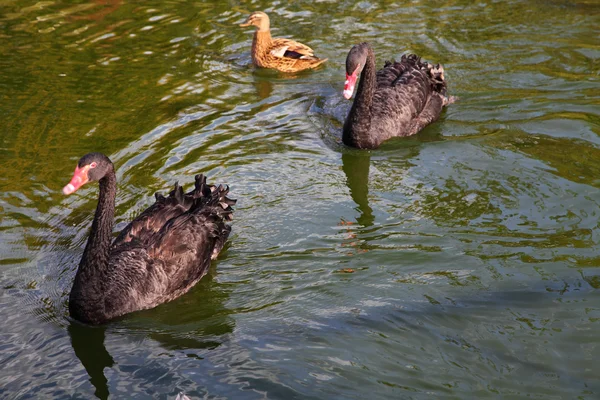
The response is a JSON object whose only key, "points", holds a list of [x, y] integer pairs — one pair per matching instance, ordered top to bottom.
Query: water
{"points": [[460, 263]]}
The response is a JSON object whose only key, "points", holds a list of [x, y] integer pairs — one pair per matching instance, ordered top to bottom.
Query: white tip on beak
{"points": [[348, 93], [68, 189]]}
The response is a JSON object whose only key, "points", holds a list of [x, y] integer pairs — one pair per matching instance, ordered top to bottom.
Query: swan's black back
{"points": [[410, 94], [149, 222]]}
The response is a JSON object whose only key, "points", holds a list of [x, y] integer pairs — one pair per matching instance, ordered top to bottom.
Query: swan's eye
{"points": [[93, 165]]}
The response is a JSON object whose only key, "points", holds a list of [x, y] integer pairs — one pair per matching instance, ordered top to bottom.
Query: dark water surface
{"points": [[460, 263]]}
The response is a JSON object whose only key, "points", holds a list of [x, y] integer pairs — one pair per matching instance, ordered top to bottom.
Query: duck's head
{"points": [[258, 19]]}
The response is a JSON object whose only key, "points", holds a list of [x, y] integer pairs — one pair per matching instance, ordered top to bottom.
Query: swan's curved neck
{"points": [[358, 123], [97, 250]]}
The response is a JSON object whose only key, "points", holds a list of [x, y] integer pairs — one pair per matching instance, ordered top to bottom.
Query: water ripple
{"points": [[443, 265]]}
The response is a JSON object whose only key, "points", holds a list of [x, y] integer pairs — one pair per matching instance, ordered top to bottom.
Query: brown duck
{"points": [[284, 55]]}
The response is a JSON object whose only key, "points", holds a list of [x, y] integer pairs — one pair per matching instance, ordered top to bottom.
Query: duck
{"points": [[284, 55], [398, 100], [157, 257]]}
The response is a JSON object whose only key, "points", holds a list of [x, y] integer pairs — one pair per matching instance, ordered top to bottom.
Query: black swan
{"points": [[399, 100], [157, 257]]}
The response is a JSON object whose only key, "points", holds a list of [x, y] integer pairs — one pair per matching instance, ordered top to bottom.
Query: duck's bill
{"points": [[247, 23], [80, 178]]}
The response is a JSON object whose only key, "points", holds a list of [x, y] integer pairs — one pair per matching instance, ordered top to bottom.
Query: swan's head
{"points": [[258, 19], [355, 62], [91, 167]]}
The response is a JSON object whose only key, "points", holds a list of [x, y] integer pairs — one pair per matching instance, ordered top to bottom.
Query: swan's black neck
{"points": [[358, 123], [96, 254]]}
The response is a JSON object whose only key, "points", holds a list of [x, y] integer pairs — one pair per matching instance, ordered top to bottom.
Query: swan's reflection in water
{"points": [[391, 162], [355, 164], [194, 322], [88, 344]]}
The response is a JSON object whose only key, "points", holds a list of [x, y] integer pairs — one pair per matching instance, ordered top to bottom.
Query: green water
{"points": [[460, 263]]}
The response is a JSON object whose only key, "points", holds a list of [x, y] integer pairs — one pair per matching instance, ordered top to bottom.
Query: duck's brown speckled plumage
{"points": [[284, 55]]}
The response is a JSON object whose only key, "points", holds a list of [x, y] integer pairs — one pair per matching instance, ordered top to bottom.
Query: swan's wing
{"points": [[287, 48], [410, 70], [408, 84], [409, 95], [151, 220], [148, 223], [197, 231], [185, 242], [143, 275]]}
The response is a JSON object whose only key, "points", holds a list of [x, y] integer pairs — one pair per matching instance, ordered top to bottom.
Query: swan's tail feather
{"points": [[411, 59], [436, 71], [437, 75], [450, 100], [175, 197], [203, 199], [214, 201], [217, 208], [222, 236]]}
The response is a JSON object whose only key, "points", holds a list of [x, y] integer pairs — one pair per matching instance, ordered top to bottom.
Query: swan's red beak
{"points": [[349, 85], [80, 178]]}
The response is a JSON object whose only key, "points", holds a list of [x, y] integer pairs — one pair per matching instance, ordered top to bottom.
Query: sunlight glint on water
{"points": [[459, 263]]}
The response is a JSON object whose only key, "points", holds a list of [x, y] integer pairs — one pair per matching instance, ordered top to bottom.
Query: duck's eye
{"points": [[93, 165]]}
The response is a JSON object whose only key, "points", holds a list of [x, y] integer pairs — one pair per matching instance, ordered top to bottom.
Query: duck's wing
{"points": [[287, 48]]}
